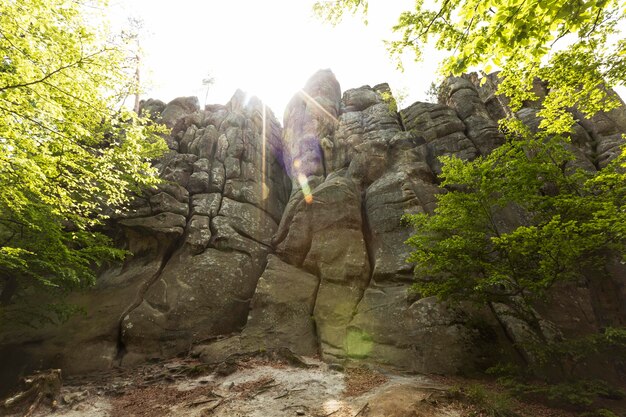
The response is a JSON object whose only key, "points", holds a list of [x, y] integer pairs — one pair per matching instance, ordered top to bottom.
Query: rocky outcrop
{"points": [[366, 167], [229, 191], [293, 237], [200, 243]]}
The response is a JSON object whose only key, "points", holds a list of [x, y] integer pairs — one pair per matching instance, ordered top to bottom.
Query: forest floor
{"points": [[268, 387]]}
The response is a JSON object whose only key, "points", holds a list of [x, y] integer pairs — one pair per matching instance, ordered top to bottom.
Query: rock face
{"points": [[226, 193], [293, 237], [200, 243]]}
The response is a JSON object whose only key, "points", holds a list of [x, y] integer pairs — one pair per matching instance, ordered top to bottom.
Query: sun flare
{"points": [[268, 49]]}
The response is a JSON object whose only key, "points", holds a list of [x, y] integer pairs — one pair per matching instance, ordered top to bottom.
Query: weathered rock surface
{"points": [[365, 167], [237, 188], [292, 238], [200, 240], [281, 312]]}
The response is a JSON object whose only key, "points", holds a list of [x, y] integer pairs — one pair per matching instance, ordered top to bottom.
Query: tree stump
{"points": [[44, 385]]}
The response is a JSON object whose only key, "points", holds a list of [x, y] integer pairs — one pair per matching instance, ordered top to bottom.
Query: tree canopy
{"points": [[574, 46], [69, 151], [517, 222], [461, 252]]}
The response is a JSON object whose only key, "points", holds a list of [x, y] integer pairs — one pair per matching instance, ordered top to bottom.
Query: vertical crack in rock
{"points": [[400, 121], [592, 131], [466, 132], [324, 156], [287, 218], [212, 227], [367, 239], [282, 240], [168, 252], [316, 333]]}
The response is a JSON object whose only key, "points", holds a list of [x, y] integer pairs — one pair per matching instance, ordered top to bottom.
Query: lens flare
{"points": [[306, 189], [265, 191], [358, 344]]}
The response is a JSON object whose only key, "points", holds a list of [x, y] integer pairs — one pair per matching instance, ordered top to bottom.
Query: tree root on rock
{"points": [[45, 385]]}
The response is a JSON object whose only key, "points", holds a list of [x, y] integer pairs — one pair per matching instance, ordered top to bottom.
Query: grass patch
{"points": [[488, 403]]}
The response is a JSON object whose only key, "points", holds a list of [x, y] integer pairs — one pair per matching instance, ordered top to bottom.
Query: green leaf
{"points": [[68, 154]]}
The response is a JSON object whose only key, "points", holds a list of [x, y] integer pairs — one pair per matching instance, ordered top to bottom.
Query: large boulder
{"points": [[310, 116], [194, 297], [281, 312], [421, 336]]}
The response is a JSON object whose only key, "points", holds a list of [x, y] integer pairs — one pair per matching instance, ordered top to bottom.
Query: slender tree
{"points": [[132, 38], [207, 82]]}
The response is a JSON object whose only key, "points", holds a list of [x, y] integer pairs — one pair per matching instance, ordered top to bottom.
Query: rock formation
{"points": [[292, 237]]}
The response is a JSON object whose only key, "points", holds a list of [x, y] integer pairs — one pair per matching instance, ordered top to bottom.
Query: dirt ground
{"points": [[254, 388]]}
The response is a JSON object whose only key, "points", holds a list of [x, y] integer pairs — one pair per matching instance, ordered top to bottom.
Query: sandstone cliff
{"points": [[291, 237]]}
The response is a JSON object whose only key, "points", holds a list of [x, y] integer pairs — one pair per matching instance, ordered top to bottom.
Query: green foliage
{"points": [[334, 10], [573, 46], [390, 101], [67, 153], [516, 222], [511, 226], [572, 352], [572, 388], [578, 393], [490, 403]]}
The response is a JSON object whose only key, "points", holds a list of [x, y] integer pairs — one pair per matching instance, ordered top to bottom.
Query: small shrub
{"points": [[578, 393], [492, 404]]}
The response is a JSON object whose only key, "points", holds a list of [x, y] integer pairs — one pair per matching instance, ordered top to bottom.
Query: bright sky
{"points": [[268, 48]]}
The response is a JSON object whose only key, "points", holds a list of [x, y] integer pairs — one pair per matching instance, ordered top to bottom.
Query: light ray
{"points": [[314, 102], [264, 188], [332, 405]]}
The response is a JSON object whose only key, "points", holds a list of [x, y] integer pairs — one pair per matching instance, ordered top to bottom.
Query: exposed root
{"points": [[37, 388]]}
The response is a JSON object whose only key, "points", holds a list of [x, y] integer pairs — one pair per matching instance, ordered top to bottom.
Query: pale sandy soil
{"points": [[255, 388]]}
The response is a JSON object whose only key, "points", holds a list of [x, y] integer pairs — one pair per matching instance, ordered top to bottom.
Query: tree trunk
{"points": [[137, 86], [8, 290]]}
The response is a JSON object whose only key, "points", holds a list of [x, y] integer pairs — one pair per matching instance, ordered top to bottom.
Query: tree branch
{"points": [[437, 16], [50, 74], [36, 122], [7, 240]]}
